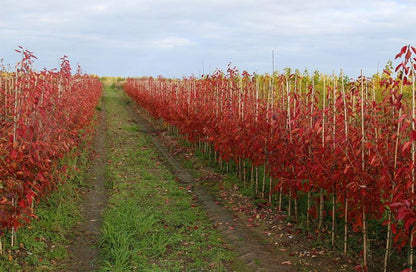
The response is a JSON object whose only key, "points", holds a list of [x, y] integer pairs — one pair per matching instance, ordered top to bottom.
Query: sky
{"points": [[182, 37]]}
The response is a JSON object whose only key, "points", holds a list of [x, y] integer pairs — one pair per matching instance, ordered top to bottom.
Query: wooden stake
{"points": [[334, 110], [244, 172], [252, 176], [257, 180], [263, 181], [321, 191], [345, 193], [295, 203], [308, 206], [321, 208], [389, 215], [333, 220], [345, 224], [365, 235], [365, 238], [388, 242], [411, 257]]}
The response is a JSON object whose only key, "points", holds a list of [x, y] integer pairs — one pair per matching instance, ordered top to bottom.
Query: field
{"points": [[329, 156]]}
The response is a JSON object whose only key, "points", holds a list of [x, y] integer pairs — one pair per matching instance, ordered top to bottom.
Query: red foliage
{"points": [[43, 115], [354, 146]]}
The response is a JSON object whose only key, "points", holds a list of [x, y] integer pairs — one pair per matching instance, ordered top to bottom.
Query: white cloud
{"points": [[170, 42]]}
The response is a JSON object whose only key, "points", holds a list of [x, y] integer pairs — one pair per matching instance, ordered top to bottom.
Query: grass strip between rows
{"points": [[151, 223]]}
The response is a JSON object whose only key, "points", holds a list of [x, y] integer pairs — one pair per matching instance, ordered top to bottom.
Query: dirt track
{"points": [[83, 249]]}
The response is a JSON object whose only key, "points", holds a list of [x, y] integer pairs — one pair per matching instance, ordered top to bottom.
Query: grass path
{"points": [[151, 222]]}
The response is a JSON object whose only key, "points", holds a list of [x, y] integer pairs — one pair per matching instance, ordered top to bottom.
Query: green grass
{"points": [[151, 223]]}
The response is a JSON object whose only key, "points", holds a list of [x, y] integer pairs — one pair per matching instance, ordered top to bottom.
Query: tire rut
{"points": [[84, 246]]}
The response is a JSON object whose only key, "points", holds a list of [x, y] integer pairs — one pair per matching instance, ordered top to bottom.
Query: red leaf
{"points": [[402, 51], [408, 55], [398, 67], [402, 117], [413, 135], [406, 146], [373, 160], [29, 198], [401, 213], [409, 223], [358, 267]]}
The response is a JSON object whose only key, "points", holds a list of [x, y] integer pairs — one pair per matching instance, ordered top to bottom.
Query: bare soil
{"points": [[83, 248]]}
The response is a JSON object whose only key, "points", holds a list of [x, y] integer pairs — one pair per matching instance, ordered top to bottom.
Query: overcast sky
{"points": [[184, 37]]}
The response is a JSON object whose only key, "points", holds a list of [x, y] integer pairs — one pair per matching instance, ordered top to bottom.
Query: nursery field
{"points": [[337, 154], [229, 171]]}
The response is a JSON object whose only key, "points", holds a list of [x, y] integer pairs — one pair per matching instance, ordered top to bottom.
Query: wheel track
{"points": [[84, 245]]}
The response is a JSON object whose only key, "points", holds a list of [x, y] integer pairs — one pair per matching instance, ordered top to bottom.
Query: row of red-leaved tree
{"points": [[43, 115]]}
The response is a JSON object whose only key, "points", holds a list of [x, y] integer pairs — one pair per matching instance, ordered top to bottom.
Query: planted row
{"points": [[43, 115], [329, 138]]}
